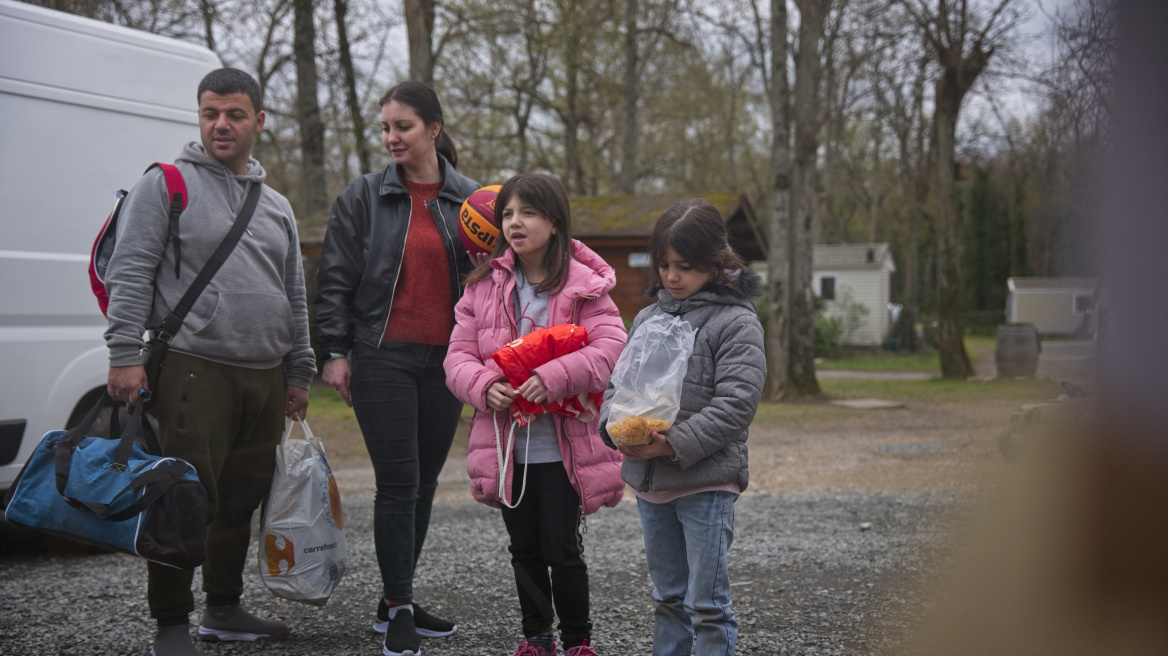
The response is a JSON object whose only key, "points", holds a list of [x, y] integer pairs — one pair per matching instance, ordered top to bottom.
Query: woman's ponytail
{"points": [[445, 147]]}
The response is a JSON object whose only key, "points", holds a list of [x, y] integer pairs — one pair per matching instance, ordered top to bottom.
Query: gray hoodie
{"points": [[252, 314], [720, 394]]}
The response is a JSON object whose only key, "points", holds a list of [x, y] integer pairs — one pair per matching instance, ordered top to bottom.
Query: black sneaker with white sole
{"points": [[425, 624], [401, 638]]}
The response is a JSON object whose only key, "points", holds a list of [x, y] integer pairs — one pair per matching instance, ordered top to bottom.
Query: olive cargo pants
{"points": [[226, 421]]}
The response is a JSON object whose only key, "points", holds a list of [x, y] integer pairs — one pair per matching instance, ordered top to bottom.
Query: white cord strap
{"points": [[503, 457]]}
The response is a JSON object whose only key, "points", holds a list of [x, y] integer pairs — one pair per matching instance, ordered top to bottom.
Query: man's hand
{"points": [[337, 375], [123, 383], [534, 390], [500, 396], [296, 406], [657, 446]]}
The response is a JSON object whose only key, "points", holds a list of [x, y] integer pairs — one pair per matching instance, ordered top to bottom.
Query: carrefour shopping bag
{"points": [[647, 379], [302, 553]]}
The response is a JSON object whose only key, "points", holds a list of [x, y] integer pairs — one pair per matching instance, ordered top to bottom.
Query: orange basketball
{"points": [[476, 220]]}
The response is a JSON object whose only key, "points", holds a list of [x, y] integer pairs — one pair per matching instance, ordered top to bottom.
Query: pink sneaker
{"points": [[527, 649], [582, 650]]}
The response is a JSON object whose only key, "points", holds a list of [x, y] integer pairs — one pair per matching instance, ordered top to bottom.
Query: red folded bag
{"points": [[520, 358]]}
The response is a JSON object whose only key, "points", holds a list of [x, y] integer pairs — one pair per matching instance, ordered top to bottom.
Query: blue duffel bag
{"points": [[113, 493]]}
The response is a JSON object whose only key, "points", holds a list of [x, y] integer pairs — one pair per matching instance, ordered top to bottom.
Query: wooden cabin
{"points": [[617, 228]]}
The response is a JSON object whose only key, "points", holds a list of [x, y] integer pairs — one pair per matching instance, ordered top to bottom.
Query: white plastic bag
{"points": [[647, 379], [302, 553]]}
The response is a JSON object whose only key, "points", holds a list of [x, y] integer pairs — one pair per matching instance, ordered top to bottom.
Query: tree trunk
{"points": [[207, 10], [420, 31], [959, 71], [308, 108], [360, 142], [916, 156], [573, 180], [627, 182], [779, 245], [950, 343], [801, 367]]}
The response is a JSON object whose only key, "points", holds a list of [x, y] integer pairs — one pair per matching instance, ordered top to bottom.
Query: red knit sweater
{"points": [[422, 310]]}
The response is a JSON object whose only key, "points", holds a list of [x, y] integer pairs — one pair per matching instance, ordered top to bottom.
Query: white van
{"points": [[85, 107]]}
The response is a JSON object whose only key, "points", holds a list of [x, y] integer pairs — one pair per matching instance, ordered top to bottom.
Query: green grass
{"points": [[894, 361], [884, 362], [940, 390], [325, 401]]}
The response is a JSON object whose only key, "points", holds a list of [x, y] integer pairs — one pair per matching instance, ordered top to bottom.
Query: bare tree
{"points": [[207, 9], [420, 30], [962, 37], [360, 144], [312, 173], [627, 182], [779, 242], [801, 378]]}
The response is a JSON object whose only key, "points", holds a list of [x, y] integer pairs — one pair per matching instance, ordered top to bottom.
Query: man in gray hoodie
{"points": [[240, 363]]}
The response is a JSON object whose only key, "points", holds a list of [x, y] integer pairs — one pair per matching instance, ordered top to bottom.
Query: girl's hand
{"points": [[478, 258], [337, 375], [534, 390], [500, 396], [657, 446]]}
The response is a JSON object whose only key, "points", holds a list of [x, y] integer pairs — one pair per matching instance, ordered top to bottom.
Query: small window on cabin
{"points": [[638, 260], [827, 288], [1082, 303]]}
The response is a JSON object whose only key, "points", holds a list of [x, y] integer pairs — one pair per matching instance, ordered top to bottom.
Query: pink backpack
{"points": [[103, 246]]}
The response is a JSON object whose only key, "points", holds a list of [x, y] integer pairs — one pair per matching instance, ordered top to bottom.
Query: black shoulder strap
{"points": [[173, 322]]}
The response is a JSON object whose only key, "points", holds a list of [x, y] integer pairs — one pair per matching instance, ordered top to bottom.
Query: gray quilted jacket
{"points": [[723, 385]]}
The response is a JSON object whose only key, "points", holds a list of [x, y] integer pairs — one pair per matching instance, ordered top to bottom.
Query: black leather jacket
{"points": [[363, 250]]}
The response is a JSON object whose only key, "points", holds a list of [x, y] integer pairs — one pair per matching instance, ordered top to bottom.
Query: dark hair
{"points": [[226, 81], [422, 99], [545, 194], [695, 230]]}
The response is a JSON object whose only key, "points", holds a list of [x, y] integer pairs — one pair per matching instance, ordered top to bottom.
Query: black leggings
{"points": [[408, 418], [545, 534]]}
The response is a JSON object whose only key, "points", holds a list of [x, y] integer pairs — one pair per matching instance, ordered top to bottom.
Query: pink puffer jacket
{"points": [[486, 322]]}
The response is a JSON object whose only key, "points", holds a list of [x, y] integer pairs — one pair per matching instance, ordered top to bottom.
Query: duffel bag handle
{"points": [[63, 455], [159, 479]]}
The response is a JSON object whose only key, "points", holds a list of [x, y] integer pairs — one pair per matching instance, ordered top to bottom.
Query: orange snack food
{"points": [[635, 430]]}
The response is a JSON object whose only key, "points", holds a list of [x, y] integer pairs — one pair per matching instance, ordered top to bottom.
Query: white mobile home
{"points": [[87, 106], [849, 275], [1056, 306]]}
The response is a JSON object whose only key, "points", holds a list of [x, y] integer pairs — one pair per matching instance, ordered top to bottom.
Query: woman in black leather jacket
{"points": [[389, 277]]}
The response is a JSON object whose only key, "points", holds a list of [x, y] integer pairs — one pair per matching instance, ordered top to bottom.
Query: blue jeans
{"points": [[408, 418], [686, 541]]}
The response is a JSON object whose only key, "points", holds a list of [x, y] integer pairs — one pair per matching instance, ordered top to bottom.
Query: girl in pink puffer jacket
{"points": [[538, 276]]}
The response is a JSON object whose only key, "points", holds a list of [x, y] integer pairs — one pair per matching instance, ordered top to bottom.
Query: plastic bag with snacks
{"points": [[647, 379]]}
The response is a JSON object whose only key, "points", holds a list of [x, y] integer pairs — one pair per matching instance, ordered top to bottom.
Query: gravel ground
{"points": [[844, 520], [809, 577]]}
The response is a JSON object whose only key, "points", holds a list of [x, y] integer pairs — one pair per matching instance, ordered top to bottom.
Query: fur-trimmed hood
{"points": [[743, 287]]}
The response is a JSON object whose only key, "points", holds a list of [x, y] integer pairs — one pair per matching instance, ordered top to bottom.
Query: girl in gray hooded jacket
{"points": [[687, 479]]}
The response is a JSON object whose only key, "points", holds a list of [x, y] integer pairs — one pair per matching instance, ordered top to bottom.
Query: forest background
{"points": [[969, 134]]}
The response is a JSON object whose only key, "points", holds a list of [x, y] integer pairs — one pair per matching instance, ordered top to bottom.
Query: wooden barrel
{"points": [[1016, 353]]}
